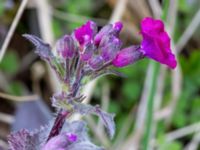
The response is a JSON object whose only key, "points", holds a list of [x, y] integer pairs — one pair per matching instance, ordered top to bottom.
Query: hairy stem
{"points": [[58, 123]]}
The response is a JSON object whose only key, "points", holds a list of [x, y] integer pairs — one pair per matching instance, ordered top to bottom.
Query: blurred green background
{"points": [[176, 120]]}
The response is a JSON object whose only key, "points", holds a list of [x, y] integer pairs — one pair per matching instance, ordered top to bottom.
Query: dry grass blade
{"points": [[118, 10], [76, 18], [12, 28], [187, 34], [18, 98], [6, 118], [183, 132], [193, 145]]}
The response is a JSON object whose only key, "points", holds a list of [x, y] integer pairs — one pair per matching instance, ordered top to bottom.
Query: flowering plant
{"points": [[88, 54]]}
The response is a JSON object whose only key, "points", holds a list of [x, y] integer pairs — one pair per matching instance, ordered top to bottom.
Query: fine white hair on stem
{"points": [[12, 28]]}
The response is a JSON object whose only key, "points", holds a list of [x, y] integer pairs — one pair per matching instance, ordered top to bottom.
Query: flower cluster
{"points": [[89, 53]]}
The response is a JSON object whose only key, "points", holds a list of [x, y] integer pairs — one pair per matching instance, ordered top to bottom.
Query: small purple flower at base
{"points": [[118, 26], [85, 33], [156, 42], [66, 47], [127, 56], [71, 137], [57, 142], [60, 142]]}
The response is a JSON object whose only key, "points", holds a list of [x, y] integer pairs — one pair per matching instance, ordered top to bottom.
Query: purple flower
{"points": [[85, 33], [156, 42], [66, 47], [127, 56]]}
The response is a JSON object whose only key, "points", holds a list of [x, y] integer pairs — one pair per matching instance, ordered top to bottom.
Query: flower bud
{"points": [[118, 26], [110, 29], [85, 33], [101, 33], [66, 47], [109, 47], [87, 51], [128, 56], [96, 62], [71, 137]]}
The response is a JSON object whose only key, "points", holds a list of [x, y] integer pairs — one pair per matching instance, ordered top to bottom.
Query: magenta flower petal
{"points": [[86, 32], [156, 42]]}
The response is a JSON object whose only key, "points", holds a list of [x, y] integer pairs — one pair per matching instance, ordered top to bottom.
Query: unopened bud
{"points": [[110, 29], [66, 47], [109, 47], [87, 51], [128, 56], [96, 62]]}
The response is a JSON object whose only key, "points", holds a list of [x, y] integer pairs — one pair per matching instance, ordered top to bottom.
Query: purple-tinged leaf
{"points": [[42, 49], [108, 119], [19, 140], [26, 140]]}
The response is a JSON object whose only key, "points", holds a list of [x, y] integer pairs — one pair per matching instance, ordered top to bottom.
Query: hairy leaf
{"points": [[42, 49], [108, 119]]}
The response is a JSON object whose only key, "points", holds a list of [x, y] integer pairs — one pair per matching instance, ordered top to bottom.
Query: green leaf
{"points": [[2, 7], [10, 63], [15, 88], [131, 90], [164, 145]]}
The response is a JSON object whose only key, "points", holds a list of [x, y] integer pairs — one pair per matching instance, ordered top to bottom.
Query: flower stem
{"points": [[150, 104], [58, 123]]}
